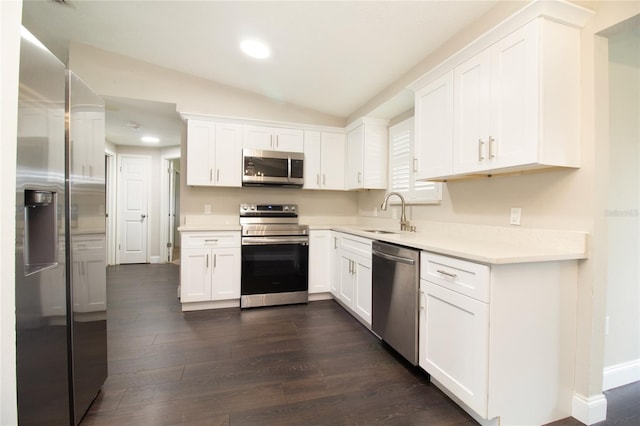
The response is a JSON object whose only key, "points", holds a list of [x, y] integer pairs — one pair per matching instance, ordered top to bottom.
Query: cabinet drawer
{"points": [[211, 239], [356, 245], [461, 276]]}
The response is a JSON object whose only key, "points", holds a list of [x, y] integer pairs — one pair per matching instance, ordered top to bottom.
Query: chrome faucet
{"points": [[404, 223]]}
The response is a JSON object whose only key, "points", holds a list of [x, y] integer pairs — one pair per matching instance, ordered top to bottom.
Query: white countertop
{"points": [[487, 244], [494, 245]]}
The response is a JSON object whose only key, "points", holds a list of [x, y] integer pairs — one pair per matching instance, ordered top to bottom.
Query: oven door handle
{"points": [[257, 241]]}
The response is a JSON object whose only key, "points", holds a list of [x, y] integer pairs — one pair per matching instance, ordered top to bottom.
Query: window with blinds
{"points": [[401, 168]]}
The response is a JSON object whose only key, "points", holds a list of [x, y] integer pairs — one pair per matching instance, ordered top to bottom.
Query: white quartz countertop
{"points": [[486, 244], [493, 245]]}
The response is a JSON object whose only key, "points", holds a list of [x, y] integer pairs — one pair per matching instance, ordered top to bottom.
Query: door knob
{"points": [[143, 216]]}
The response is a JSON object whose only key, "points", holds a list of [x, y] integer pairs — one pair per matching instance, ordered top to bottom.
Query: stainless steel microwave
{"points": [[272, 168]]}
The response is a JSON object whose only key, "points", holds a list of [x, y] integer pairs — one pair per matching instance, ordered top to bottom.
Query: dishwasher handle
{"points": [[393, 258]]}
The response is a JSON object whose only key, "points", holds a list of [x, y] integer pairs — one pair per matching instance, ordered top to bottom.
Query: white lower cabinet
{"points": [[319, 261], [210, 268], [353, 287], [500, 339], [454, 350]]}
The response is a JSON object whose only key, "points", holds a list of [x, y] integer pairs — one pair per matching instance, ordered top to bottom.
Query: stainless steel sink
{"points": [[380, 231]]}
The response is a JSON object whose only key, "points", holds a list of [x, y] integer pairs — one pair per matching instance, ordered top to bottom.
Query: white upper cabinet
{"points": [[506, 103], [434, 128], [272, 138], [214, 152], [367, 154], [324, 165]]}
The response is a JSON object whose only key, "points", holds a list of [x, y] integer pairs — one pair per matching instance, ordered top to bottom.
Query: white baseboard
{"points": [[154, 259], [621, 374], [589, 410]]}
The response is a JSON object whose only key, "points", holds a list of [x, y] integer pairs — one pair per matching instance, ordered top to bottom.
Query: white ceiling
{"points": [[329, 56]]}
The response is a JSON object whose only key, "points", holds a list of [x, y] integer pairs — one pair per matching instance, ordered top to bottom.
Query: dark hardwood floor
{"points": [[290, 365]]}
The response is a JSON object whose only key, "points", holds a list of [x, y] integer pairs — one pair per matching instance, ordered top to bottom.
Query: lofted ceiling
{"points": [[328, 56]]}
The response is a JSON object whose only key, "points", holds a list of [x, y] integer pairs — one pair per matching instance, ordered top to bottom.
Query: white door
{"points": [[133, 191]]}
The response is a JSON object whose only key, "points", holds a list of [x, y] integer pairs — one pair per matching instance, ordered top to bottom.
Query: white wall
{"points": [[10, 17], [622, 344]]}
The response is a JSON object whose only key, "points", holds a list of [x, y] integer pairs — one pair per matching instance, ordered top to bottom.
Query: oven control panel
{"points": [[266, 210]]}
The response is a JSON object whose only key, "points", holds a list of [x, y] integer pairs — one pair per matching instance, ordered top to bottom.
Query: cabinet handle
{"points": [[277, 141], [491, 143], [480, 144], [415, 164], [90, 170], [210, 175], [217, 175], [317, 178], [324, 179], [211, 241], [335, 242], [207, 260], [215, 260], [447, 274], [423, 300]]}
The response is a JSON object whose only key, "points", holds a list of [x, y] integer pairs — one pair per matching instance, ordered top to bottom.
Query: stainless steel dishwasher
{"points": [[395, 293]]}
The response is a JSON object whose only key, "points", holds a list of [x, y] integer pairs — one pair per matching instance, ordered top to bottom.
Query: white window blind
{"points": [[401, 171]]}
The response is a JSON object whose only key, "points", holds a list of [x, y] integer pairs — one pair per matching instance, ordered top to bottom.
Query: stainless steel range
{"points": [[275, 255]]}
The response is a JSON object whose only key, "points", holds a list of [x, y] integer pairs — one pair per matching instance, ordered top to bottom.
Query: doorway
{"points": [[170, 205], [133, 220]]}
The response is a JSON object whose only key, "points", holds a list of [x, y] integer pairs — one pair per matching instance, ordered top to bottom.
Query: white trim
{"points": [[260, 122], [165, 156], [112, 203], [154, 259], [314, 297], [214, 304], [620, 374], [589, 410]]}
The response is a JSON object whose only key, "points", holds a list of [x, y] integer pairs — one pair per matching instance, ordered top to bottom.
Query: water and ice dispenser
{"points": [[40, 230]]}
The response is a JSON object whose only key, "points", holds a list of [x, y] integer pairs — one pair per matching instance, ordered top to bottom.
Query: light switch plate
{"points": [[516, 212]]}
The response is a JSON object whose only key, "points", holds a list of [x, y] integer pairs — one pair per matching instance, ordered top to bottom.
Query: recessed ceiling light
{"points": [[255, 49], [150, 139]]}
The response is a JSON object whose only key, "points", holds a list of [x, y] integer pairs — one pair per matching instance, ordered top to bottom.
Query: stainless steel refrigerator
{"points": [[60, 242]]}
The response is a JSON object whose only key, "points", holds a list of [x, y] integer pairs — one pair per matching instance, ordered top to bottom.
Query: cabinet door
{"points": [[515, 88], [472, 114], [434, 129], [257, 137], [291, 140], [375, 151], [200, 152], [228, 155], [355, 158], [312, 160], [332, 163], [319, 261], [195, 275], [225, 275], [347, 281], [362, 304], [455, 347]]}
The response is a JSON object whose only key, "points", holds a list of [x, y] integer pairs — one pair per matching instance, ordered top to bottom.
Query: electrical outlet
{"points": [[207, 209], [516, 212]]}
